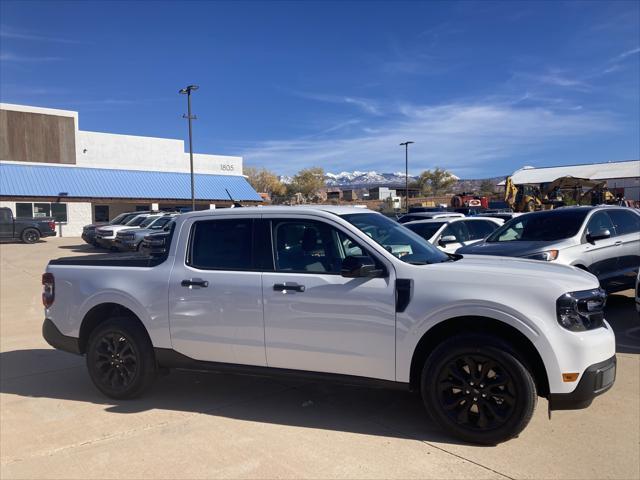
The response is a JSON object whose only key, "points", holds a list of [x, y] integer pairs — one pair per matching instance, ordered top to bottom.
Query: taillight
{"points": [[52, 225], [48, 289]]}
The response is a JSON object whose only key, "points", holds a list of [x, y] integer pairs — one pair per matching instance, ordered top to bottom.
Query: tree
{"points": [[264, 181], [307, 182], [435, 182], [487, 187]]}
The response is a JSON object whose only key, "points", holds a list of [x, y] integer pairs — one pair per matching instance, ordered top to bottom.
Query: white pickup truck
{"points": [[317, 292]]}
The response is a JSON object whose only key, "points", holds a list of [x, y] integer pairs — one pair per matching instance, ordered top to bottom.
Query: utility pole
{"points": [[187, 91], [406, 173]]}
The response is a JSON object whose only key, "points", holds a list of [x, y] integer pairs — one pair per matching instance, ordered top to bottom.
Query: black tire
{"points": [[30, 235], [120, 358], [488, 407]]}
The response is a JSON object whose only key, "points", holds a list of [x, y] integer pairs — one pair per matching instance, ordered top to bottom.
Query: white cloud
{"points": [[6, 32], [626, 54], [11, 57], [365, 104], [464, 138]]}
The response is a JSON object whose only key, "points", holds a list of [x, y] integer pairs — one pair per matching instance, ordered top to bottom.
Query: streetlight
{"points": [[187, 91], [406, 172]]}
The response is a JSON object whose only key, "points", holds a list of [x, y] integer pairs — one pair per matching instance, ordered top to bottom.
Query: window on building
{"points": [[142, 208], [41, 209], [24, 210], [59, 212], [101, 213], [221, 245]]}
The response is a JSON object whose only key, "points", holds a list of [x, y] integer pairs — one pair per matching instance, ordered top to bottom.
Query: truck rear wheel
{"points": [[30, 235], [120, 358], [474, 387]]}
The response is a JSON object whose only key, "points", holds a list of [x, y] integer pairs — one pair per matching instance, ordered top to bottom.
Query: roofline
{"points": [[576, 165]]}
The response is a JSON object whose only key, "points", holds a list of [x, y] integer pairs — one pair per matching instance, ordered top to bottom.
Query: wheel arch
{"points": [[99, 314], [523, 347]]}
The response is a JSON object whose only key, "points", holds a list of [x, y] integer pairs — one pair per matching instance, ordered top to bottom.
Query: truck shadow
{"points": [[83, 248], [318, 405]]}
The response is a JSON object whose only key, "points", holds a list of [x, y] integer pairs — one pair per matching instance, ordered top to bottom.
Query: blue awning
{"points": [[80, 182]]}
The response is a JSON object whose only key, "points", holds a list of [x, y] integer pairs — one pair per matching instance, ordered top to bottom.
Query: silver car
{"points": [[451, 233], [603, 240]]}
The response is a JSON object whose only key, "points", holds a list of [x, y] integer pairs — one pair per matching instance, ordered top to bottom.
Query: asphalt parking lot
{"points": [[54, 424]]}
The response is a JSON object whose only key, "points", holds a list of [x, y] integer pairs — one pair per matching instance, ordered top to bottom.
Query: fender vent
{"points": [[403, 294]]}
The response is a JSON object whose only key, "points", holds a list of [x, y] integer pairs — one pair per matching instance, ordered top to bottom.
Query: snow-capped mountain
{"points": [[364, 178]]}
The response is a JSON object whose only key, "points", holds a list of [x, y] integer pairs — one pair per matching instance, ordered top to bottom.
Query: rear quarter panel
{"points": [[143, 290]]}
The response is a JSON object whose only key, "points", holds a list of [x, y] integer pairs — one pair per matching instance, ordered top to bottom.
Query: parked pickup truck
{"points": [[29, 230], [316, 292]]}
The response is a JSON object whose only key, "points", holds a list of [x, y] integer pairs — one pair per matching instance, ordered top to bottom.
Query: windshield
{"points": [[118, 219], [136, 221], [148, 221], [160, 222], [547, 226], [425, 230], [396, 239]]}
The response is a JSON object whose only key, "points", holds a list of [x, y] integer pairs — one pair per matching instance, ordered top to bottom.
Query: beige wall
{"points": [[37, 137]]}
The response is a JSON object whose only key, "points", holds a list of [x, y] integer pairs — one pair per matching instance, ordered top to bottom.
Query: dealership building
{"points": [[51, 168]]}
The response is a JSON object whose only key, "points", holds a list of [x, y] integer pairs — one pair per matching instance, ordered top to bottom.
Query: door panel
{"points": [[627, 231], [603, 254], [216, 314], [336, 324]]}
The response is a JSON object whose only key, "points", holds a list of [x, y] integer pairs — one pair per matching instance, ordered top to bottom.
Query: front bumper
{"points": [[49, 233], [90, 239], [104, 242], [125, 245], [56, 339], [596, 380]]}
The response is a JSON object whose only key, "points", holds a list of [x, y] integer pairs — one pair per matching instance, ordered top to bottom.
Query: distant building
{"points": [[51, 168], [621, 177], [381, 193], [334, 195], [349, 195]]}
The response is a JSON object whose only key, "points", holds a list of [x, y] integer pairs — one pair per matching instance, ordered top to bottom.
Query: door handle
{"points": [[618, 243], [194, 282], [291, 286]]}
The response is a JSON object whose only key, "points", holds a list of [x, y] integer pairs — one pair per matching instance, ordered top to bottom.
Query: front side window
{"points": [[24, 210], [148, 221], [600, 221], [624, 221], [160, 223], [546, 226], [479, 229], [458, 230], [396, 239], [221, 245], [306, 247]]}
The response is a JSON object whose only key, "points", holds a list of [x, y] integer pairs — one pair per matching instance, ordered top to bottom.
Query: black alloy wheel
{"points": [[30, 235], [120, 358], [116, 360], [475, 387], [476, 392]]}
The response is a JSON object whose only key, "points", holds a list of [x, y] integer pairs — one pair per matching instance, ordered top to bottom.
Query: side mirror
{"points": [[598, 235], [447, 239], [359, 266]]}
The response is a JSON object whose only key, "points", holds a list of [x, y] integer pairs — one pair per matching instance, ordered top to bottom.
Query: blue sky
{"points": [[482, 88]]}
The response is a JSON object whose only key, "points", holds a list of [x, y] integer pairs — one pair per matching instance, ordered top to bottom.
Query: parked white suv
{"points": [[317, 292]]}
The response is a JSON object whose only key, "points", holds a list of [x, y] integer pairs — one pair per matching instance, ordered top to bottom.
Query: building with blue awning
{"points": [[48, 167]]}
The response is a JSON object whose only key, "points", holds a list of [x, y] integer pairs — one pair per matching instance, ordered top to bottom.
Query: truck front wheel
{"points": [[30, 235], [120, 358], [474, 387]]}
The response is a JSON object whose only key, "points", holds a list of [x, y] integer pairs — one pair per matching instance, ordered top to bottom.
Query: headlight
{"points": [[547, 255], [581, 311]]}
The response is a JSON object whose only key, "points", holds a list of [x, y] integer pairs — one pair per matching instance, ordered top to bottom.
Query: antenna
{"points": [[235, 203]]}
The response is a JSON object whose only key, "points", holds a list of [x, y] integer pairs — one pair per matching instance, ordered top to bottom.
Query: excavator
{"points": [[562, 191]]}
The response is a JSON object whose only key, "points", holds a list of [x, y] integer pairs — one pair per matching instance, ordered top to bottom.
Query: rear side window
{"points": [[624, 221], [479, 229], [221, 245]]}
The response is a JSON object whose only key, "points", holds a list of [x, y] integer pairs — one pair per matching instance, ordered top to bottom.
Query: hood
{"points": [[515, 248], [519, 272]]}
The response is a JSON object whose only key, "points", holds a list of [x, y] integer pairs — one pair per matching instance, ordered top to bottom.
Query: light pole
{"points": [[187, 91], [406, 173]]}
